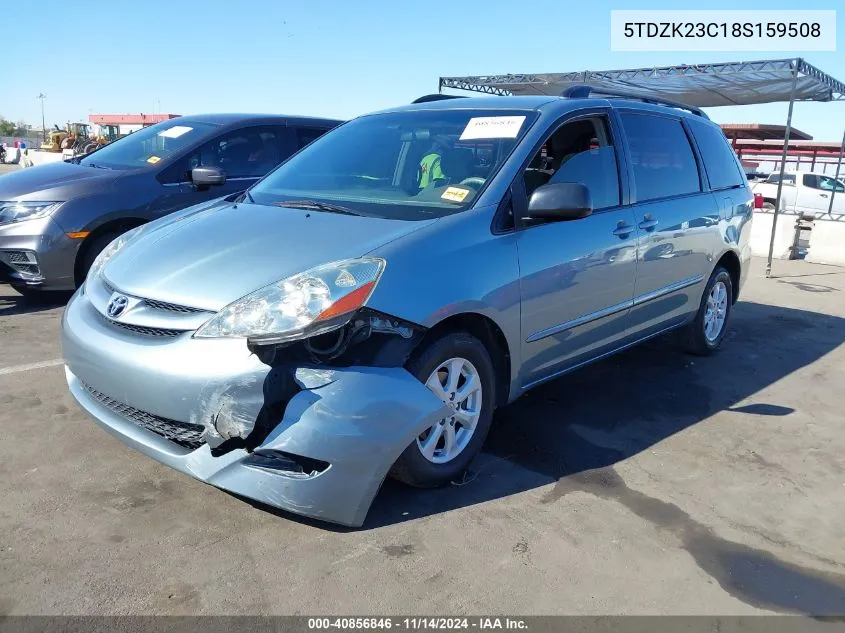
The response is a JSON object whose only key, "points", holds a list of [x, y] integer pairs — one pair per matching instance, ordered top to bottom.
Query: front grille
{"points": [[17, 257], [156, 304], [170, 307], [143, 330], [182, 433]]}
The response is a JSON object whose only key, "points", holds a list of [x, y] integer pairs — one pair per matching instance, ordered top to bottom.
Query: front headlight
{"points": [[27, 210], [110, 251], [310, 303]]}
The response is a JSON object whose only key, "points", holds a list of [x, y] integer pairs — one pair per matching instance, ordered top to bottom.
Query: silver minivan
{"points": [[362, 310]]}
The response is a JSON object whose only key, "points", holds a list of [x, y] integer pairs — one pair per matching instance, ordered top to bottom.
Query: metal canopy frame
{"points": [[700, 85]]}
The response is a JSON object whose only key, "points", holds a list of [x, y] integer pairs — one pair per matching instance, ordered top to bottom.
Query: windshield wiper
{"points": [[316, 205]]}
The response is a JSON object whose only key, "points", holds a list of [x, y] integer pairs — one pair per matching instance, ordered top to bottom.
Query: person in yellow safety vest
{"points": [[430, 164]]}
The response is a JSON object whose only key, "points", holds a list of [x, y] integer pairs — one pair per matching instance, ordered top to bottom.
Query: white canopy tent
{"points": [[700, 85]]}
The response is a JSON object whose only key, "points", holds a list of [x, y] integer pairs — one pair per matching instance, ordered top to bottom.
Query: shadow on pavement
{"points": [[13, 303], [609, 411]]}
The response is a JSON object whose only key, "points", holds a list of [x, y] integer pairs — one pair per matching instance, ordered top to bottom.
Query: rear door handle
{"points": [[823, 195], [648, 223], [623, 230]]}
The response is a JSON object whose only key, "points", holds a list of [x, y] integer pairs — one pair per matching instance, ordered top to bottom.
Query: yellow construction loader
{"points": [[71, 137]]}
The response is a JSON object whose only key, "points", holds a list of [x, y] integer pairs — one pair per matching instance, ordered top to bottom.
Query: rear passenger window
{"points": [[579, 151], [719, 159], [662, 161]]}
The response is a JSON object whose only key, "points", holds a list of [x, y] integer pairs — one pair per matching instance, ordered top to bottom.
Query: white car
{"points": [[804, 193]]}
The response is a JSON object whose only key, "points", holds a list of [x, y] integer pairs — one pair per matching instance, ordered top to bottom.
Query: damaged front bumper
{"points": [[331, 441]]}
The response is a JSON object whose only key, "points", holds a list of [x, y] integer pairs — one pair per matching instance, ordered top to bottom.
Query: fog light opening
{"points": [[22, 262], [287, 463]]}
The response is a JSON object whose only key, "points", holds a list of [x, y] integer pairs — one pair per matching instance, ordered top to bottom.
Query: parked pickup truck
{"points": [[804, 193]]}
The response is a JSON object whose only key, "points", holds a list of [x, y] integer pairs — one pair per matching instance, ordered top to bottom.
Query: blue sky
{"points": [[326, 57]]}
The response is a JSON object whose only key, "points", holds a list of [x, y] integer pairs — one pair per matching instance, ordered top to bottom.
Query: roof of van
{"points": [[538, 102]]}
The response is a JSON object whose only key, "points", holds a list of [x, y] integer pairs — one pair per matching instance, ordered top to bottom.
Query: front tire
{"points": [[92, 250], [706, 332], [458, 370]]}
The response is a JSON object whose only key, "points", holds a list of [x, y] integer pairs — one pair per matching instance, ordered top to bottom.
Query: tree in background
{"points": [[8, 128]]}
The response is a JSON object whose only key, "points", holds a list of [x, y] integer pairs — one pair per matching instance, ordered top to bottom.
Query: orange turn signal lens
{"points": [[78, 235], [348, 303]]}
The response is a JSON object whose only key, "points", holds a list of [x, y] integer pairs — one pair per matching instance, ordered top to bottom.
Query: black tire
{"points": [[92, 250], [697, 341], [412, 467]]}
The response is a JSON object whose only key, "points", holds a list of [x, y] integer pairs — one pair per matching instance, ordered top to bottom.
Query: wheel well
{"points": [[114, 226], [730, 262], [491, 336]]}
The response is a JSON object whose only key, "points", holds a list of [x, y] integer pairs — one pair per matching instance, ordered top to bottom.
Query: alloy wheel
{"points": [[716, 311], [457, 383]]}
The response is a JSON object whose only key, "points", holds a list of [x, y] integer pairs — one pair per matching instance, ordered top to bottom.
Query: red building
{"points": [[760, 148]]}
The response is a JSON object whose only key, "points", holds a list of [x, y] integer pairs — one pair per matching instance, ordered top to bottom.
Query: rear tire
{"points": [[707, 330], [442, 452]]}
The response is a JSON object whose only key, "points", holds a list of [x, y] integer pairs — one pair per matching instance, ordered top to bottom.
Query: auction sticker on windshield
{"points": [[492, 127], [176, 131], [153, 160], [455, 194]]}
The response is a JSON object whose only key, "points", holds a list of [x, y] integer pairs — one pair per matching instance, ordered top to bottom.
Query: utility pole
{"points": [[41, 96], [836, 176]]}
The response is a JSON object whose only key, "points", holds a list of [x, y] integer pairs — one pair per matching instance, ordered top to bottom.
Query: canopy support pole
{"points": [[782, 166], [836, 177]]}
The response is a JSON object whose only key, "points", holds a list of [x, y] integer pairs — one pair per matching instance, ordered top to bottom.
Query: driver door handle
{"points": [[648, 223], [623, 230]]}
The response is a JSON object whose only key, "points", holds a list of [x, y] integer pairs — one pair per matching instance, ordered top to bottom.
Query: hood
{"points": [[53, 181], [209, 258]]}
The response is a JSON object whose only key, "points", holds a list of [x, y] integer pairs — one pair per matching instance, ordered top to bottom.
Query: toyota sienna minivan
{"points": [[56, 218], [362, 310]]}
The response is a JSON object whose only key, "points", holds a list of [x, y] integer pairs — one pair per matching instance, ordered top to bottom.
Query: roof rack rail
{"points": [[584, 91], [437, 97]]}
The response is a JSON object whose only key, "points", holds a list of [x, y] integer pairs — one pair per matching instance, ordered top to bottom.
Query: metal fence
{"points": [[32, 142]]}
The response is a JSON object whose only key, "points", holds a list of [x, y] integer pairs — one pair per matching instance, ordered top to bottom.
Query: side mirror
{"points": [[207, 176], [559, 202]]}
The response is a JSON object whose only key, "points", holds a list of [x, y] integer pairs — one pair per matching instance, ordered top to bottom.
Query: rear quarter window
{"points": [[719, 159], [662, 160]]}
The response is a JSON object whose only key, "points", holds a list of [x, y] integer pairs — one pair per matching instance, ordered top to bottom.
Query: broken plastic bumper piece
{"points": [[327, 457]]}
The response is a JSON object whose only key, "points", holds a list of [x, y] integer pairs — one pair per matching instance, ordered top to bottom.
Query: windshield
{"points": [[149, 145], [410, 165]]}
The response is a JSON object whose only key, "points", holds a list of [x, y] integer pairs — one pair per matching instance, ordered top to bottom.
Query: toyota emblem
{"points": [[117, 304]]}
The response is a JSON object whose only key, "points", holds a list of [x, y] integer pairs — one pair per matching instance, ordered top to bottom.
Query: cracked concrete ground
{"points": [[650, 483]]}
